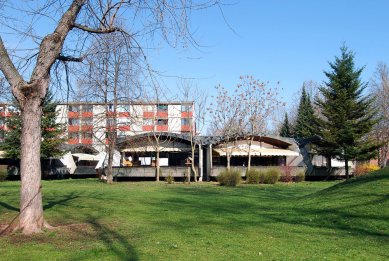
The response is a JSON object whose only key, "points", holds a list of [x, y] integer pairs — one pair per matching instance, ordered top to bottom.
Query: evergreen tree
{"points": [[347, 116], [305, 122], [286, 130], [51, 131]]}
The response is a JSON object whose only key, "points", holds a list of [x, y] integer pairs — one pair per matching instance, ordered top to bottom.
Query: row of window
{"points": [[126, 108], [111, 122]]}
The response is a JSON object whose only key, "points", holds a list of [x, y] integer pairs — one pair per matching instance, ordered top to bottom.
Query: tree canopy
{"points": [[347, 116], [305, 122], [52, 131]]}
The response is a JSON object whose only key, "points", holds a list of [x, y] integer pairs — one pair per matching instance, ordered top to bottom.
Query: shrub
{"points": [[363, 169], [3, 173], [286, 174], [253, 176], [272, 176], [300, 177], [229, 178], [169, 179]]}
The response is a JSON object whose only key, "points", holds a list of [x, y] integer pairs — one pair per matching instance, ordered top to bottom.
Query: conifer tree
{"points": [[347, 115], [305, 122], [286, 129], [51, 131]]}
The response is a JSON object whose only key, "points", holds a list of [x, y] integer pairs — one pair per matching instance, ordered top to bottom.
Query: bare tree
{"points": [[75, 22], [110, 79], [380, 90], [259, 101], [226, 112], [196, 116]]}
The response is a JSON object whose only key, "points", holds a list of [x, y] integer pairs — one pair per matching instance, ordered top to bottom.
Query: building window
{"points": [[162, 107], [2, 108], [74, 108], [87, 108], [123, 108], [148, 108], [186, 108], [74, 121], [87, 121], [111, 121], [147, 121], [185, 121], [162, 122], [73, 135], [87, 135]]}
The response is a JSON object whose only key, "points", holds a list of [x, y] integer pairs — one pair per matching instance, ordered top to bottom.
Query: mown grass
{"points": [[149, 221]]}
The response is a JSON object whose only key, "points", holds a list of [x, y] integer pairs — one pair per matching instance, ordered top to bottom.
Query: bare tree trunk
{"points": [[249, 154], [110, 160], [193, 163], [157, 165], [346, 168], [31, 210]]}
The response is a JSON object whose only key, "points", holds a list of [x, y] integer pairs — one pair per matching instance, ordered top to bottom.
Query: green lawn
{"points": [[149, 221]]}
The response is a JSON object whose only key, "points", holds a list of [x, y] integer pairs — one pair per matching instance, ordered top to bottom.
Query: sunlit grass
{"points": [[150, 221]]}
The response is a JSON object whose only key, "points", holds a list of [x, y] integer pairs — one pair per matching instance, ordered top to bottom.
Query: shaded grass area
{"points": [[149, 221]]}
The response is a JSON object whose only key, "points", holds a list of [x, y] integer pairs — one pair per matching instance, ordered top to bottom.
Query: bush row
{"points": [[255, 176], [271, 176]]}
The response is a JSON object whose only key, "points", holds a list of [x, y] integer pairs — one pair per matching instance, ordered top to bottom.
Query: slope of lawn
{"points": [[149, 221]]}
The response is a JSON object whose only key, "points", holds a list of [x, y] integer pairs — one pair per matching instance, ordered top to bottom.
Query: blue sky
{"points": [[279, 40]]}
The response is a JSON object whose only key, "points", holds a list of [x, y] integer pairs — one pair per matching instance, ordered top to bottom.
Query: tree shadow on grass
{"points": [[9, 207], [266, 209], [115, 242]]}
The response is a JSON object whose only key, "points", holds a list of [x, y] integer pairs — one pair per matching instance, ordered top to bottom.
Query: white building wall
{"points": [[62, 114], [174, 118], [99, 126]]}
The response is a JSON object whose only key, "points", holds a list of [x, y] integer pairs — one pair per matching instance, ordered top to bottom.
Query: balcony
{"points": [[73, 114], [87, 114], [124, 114], [148, 114], [162, 114], [186, 114], [86, 127], [147, 127], [162, 127], [73, 128], [124, 128], [185, 128], [73, 141], [86, 141]]}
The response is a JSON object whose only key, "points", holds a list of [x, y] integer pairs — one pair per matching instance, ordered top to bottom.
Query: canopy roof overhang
{"points": [[257, 152]]}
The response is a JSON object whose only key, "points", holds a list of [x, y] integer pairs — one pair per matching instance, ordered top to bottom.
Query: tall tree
{"points": [[74, 22], [380, 91], [348, 116], [305, 121], [286, 128]]}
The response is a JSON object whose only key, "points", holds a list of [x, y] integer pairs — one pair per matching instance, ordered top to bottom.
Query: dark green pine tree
{"points": [[347, 115], [305, 122], [286, 129], [51, 131]]}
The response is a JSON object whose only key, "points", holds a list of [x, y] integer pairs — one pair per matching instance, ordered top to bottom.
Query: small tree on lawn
{"points": [[348, 116]]}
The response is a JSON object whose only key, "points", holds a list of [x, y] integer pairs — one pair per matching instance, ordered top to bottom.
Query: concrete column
{"points": [[201, 162], [209, 162]]}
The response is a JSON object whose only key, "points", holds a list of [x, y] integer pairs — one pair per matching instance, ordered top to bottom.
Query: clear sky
{"points": [[290, 41]]}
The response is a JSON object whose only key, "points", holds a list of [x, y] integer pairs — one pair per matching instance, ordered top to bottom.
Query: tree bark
{"points": [[249, 154], [157, 165], [346, 168], [31, 210]]}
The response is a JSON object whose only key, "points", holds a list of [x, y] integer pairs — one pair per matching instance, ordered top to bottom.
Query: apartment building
{"points": [[88, 123]]}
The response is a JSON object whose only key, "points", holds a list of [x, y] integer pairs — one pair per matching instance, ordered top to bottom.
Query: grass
{"points": [[150, 221]]}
